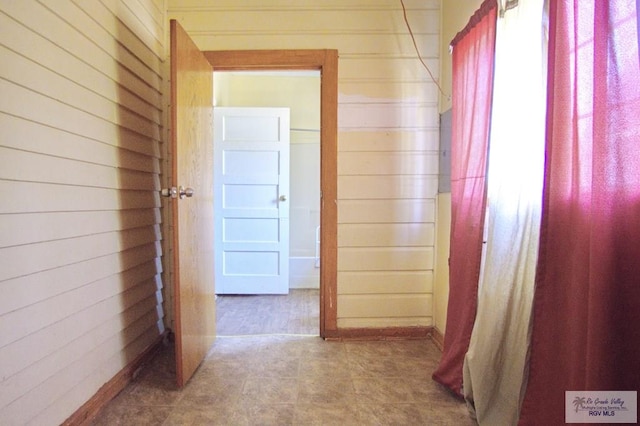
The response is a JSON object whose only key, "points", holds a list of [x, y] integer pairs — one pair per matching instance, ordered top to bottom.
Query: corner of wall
{"points": [[454, 15], [441, 282]]}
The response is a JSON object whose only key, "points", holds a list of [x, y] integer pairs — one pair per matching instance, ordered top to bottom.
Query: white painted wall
{"points": [[387, 141], [80, 142]]}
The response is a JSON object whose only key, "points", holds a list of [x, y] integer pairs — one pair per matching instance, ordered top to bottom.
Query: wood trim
{"points": [[268, 59], [326, 61], [173, 146], [329, 191], [386, 333], [438, 338], [90, 409]]}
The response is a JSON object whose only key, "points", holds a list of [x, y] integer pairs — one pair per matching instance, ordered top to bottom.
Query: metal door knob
{"points": [[174, 192], [186, 192], [283, 198]]}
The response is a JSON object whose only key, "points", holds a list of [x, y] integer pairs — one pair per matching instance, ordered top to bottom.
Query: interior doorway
{"points": [[326, 62], [295, 309]]}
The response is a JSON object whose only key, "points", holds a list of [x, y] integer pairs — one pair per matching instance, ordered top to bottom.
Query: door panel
{"points": [[192, 162], [252, 210]]}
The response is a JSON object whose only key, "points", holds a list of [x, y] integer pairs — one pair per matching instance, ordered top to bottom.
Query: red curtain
{"points": [[473, 57], [586, 329]]}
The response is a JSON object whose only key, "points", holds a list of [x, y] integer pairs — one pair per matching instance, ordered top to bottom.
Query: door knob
{"points": [[170, 192], [174, 192], [186, 192], [283, 198]]}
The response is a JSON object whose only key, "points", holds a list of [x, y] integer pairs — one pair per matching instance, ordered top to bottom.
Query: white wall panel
{"points": [[81, 124], [398, 140], [131, 152], [389, 163], [387, 187], [30, 197], [387, 211], [36, 227], [386, 235], [385, 259], [385, 282], [26, 290]]}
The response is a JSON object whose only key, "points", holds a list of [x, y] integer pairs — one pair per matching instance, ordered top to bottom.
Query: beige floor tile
{"points": [[275, 366], [371, 366], [330, 368], [292, 380], [269, 390], [381, 390], [325, 391], [148, 392], [202, 393], [250, 413], [326, 414], [391, 414], [126, 415], [446, 415], [197, 416]]}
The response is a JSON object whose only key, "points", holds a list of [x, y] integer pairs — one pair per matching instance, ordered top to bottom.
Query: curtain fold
{"points": [[471, 115], [586, 331], [495, 364]]}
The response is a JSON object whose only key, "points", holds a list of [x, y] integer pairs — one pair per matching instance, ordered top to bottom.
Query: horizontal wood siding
{"points": [[81, 124], [388, 135]]}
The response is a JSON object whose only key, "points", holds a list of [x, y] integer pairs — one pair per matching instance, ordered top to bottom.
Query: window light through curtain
{"points": [[586, 330], [495, 365]]}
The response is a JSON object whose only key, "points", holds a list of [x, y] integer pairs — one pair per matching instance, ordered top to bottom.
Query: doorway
{"points": [[324, 61], [191, 94], [274, 289]]}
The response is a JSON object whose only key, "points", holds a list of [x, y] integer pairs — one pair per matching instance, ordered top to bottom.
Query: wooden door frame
{"points": [[326, 61]]}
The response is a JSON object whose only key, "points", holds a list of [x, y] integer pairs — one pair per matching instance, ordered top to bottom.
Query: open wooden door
{"points": [[192, 168]]}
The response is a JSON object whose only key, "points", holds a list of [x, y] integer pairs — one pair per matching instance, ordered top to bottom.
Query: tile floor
{"points": [[295, 313], [272, 370], [293, 380]]}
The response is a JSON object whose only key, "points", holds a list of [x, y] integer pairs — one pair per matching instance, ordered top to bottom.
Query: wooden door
{"points": [[192, 165], [251, 190]]}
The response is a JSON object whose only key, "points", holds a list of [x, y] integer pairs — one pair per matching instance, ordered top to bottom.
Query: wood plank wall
{"points": [[388, 135], [80, 143]]}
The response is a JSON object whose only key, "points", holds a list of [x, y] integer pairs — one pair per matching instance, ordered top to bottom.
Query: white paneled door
{"points": [[251, 190]]}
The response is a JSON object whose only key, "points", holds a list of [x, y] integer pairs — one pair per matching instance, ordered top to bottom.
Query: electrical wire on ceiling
{"points": [[415, 45]]}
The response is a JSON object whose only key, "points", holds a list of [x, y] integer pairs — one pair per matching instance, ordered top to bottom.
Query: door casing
{"points": [[326, 61]]}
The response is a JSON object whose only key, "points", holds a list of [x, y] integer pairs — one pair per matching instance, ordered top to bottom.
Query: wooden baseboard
{"points": [[385, 333], [438, 338], [90, 409]]}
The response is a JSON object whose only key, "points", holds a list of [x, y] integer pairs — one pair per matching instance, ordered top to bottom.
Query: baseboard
{"points": [[385, 333], [437, 338], [90, 409]]}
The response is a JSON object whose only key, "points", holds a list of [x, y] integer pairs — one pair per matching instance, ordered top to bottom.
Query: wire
{"points": [[415, 45]]}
